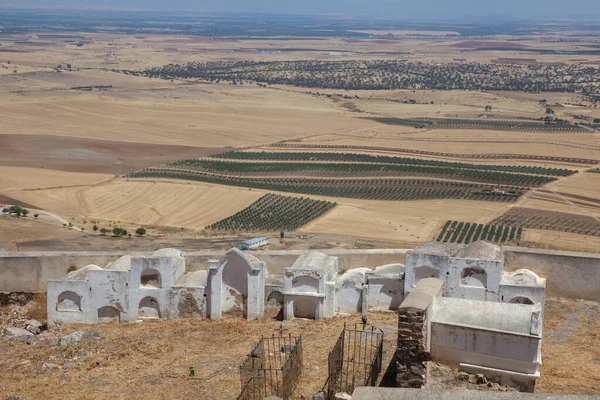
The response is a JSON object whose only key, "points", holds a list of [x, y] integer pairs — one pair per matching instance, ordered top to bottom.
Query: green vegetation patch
{"points": [[367, 158], [361, 169], [368, 189], [274, 212], [467, 232]]}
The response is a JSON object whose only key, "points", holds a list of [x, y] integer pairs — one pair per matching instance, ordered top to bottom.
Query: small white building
{"points": [[254, 243], [472, 272], [128, 289], [309, 290]]}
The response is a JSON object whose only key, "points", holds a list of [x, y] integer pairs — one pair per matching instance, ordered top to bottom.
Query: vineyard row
{"points": [[490, 156], [366, 158], [334, 169], [354, 192], [274, 212], [467, 232]]}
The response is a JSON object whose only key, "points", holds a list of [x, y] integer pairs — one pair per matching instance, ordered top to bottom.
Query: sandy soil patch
{"points": [[204, 116], [468, 142], [90, 155], [14, 179], [584, 184], [579, 194], [135, 203], [409, 221], [14, 230], [560, 240]]}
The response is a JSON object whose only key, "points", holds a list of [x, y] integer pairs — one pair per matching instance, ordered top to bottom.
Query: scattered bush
{"points": [[119, 231]]}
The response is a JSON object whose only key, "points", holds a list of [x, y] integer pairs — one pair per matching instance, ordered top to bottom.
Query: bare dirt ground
{"points": [[89, 155], [14, 230], [30, 234], [152, 359]]}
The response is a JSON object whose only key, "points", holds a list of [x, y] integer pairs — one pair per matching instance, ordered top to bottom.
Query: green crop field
{"points": [[366, 158], [359, 170], [368, 189], [274, 212], [467, 232]]}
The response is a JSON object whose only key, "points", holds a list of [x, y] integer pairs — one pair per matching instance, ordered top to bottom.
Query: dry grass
{"points": [[37, 307], [571, 347], [152, 359]]}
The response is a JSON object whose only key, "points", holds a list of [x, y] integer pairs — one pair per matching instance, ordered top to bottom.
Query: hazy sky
{"points": [[379, 8]]}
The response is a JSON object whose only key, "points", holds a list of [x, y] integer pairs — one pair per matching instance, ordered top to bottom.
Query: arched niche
{"points": [[425, 272], [474, 277], [150, 278], [306, 284], [236, 285], [521, 300], [68, 301], [275, 305], [149, 308], [305, 308], [109, 314]]}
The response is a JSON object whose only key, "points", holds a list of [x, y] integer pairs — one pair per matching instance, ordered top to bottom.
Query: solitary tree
{"points": [[36, 215], [95, 228], [104, 231], [140, 231]]}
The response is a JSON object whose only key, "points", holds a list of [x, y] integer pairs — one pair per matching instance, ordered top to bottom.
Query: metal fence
{"points": [[355, 359], [273, 367]]}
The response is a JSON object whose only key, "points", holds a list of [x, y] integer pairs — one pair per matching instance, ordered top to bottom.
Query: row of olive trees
{"points": [[118, 232]]}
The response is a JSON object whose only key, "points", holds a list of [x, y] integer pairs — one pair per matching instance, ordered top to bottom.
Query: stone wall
{"points": [[28, 272], [568, 274], [413, 350], [412, 354]]}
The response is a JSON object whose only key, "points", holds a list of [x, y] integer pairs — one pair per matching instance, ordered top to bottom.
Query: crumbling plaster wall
{"points": [[29, 271], [452, 271], [568, 274], [237, 280], [82, 289], [384, 294], [500, 340]]}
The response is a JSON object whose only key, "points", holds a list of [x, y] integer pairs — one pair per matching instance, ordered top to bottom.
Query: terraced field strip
{"points": [[487, 124], [563, 144], [376, 159], [569, 160], [356, 170], [374, 189], [273, 212], [550, 220], [467, 232]]}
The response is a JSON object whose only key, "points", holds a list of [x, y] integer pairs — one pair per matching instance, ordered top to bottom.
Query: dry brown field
{"points": [[65, 150], [152, 359]]}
